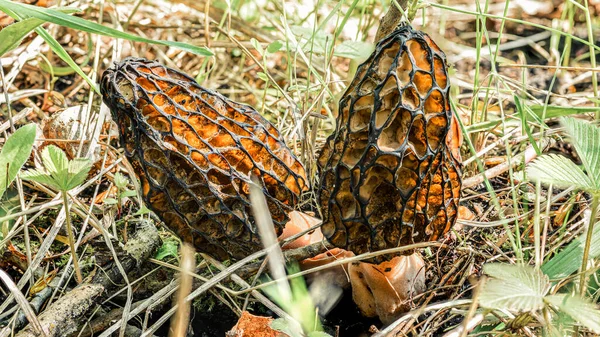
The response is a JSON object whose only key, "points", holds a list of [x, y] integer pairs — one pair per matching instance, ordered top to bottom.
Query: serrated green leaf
{"points": [[54, 16], [316, 40], [354, 49], [585, 136], [14, 154], [55, 160], [78, 171], [559, 171], [59, 172], [41, 177], [120, 180], [568, 260], [514, 287], [580, 309], [318, 334]]}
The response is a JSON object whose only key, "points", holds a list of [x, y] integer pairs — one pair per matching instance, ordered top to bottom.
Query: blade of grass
{"points": [[60, 18]]}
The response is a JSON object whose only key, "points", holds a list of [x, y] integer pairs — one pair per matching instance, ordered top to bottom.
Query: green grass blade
{"points": [[59, 18], [12, 35], [62, 53], [524, 111], [561, 111], [569, 259]]}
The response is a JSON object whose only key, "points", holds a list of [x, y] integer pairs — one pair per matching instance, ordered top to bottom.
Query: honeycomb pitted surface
{"points": [[195, 153], [388, 178]]}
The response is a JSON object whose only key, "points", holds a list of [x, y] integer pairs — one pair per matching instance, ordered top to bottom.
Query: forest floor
{"points": [[516, 68]]}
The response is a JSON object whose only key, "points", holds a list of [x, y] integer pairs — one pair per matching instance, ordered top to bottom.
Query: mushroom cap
{"points": [[195, 152], [388, 178]]}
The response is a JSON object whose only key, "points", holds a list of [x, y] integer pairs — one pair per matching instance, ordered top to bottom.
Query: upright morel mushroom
{"points": [[195, 152], [388, 176]]}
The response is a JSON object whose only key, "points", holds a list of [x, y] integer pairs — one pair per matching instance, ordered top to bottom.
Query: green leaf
{"points": [[55, 16], [12, 35], [316, 40], [257, 46], [274, 46], [354, 50], [62, 53], [262, 76], [524, 111], [560, 111], [483, 126], [585, 136], [14, 154], [55, 160], [78, 171], [559, 171], [59, 173], [41, 177], [120, 180], [128, 193], [109, 201], [142, 211], [168, 248], [569, 259], [514, 287], [580, 309], [562, 325], [286, 326], [318, 334]]}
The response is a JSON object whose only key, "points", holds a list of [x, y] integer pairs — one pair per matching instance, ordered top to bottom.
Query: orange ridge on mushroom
{"points": [[195, 152], [390, 172]]}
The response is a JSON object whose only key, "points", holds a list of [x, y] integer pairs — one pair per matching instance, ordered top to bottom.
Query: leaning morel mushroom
{"points": [[195, 152], [388, 176]]}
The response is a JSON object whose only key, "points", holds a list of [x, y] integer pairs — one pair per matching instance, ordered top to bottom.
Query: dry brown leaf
{"points": [[254, 326]]}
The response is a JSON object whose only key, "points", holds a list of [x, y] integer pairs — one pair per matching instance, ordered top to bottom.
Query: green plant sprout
{"points": [[562, 172], [63, 175], [121, 183], [525, 289], [300, 306]]}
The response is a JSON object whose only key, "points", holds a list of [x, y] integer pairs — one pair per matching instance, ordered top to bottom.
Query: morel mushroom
{"points": [[195, 152], [388, 176]]}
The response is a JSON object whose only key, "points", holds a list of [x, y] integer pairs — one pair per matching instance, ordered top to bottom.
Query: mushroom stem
{"points": [[390, 20]]}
